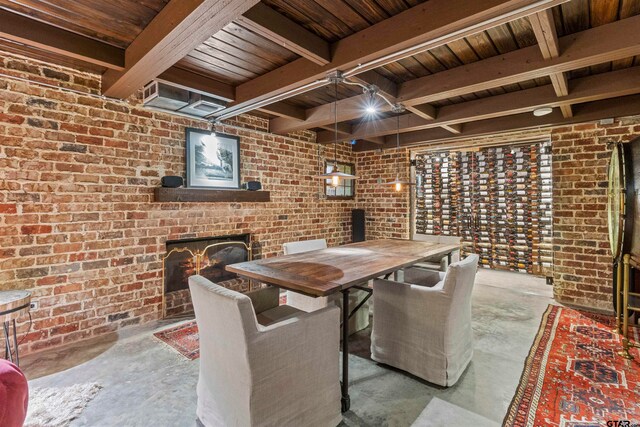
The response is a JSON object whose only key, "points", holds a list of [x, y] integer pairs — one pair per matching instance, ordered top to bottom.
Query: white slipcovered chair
{"points": [[439, 263], [360, 319], [424, 328], [265, 366]]}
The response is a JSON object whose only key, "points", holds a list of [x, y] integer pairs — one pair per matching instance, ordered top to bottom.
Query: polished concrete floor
{"points": [[146, 383]]}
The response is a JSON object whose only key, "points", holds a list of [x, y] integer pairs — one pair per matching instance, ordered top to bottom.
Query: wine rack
{"points": [[498, 200]]}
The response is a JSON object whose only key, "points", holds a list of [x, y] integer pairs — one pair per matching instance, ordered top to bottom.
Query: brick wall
{"points": [[387, 211], [78, 225], [79, 228], [583, 269]]}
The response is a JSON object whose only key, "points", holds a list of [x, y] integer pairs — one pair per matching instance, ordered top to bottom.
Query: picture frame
{"points": [[212, 160]]}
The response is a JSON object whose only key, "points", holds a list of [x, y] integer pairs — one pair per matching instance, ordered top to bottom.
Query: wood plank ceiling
{"points": [[244, 55]]}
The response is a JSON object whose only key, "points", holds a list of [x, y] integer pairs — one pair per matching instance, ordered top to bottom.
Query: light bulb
{"points": [[371, 109], [335, 180], [398, 186]]}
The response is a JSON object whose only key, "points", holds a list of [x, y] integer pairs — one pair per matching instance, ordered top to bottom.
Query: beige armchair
{"points": [[439, 263], [360, 319], [424, 327], [265, 366]]}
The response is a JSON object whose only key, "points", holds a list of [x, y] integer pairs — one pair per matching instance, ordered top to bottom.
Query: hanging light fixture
{"points": [[334, 175], [398, 183]]}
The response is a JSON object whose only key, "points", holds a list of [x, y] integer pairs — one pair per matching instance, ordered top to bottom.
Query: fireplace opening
{"points": [[205, 256]]}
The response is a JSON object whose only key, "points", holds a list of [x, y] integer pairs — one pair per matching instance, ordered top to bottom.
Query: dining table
{"points": [[339, 269]]}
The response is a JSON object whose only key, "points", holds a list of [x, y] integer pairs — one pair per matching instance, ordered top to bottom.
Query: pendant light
{"points": [[334, 175], [398, 183]]}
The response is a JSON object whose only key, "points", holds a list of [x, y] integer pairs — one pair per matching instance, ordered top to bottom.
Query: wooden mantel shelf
{"points": [[164, 194]]}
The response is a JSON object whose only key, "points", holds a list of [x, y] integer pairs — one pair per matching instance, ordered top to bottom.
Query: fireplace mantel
{"points": [[164, 194]]}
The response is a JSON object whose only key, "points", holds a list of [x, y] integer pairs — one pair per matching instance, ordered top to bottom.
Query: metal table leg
{"points": [[449, 258], [7, 342], [15, 342], [346, 401]]}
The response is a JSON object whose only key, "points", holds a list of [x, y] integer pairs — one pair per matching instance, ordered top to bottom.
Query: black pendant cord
{"points": [[335, 141], [398, 145]]}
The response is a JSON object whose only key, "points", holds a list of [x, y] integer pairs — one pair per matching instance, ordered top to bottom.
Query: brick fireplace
{"points": [[208, 257]]}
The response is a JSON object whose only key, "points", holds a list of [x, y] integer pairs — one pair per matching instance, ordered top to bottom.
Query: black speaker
{"points": [[172, 181], [252, 186], [357, 225]]}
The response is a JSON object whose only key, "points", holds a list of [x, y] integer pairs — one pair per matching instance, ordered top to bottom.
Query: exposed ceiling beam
{"points": [[268, 23], [422, 27], [177, 29], [545, 31], [52, 39], [617, 40], [197, 83], [385, 86], [585, 89], [625, 106], [282, 109], [348, 109], [426, 111], [453, 128], [345, 130]]}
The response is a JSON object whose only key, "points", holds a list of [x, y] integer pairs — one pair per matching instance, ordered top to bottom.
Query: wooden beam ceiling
{"points": [[427, 25], [273, 26], [180, 27], [544, 29], [52, 39], [617, 40], [613, 41], [197, 83], [586, 89], [625, 106], [323, 115], [328, 135]]}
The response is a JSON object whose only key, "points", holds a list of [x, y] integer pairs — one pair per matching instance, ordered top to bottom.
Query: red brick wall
{"points": [[387, 211], [78, 225], [583, 268]]}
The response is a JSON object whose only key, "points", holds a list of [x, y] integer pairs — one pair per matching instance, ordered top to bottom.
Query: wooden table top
{"points": [[326, 271], [13, 304]]}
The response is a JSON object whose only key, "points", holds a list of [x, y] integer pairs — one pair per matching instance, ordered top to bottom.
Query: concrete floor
{"points": [[146, 383]]}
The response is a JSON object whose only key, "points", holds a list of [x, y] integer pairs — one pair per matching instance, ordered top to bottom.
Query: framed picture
{"points": [[213, 160]]}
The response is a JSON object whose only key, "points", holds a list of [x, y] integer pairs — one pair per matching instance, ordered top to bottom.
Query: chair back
{"points": [[438, 238], [304, 246], [458, 284], [226, 324]]}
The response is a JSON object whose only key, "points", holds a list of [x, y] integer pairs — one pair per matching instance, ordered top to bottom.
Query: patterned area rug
{"points": [[183, 338], [573, 376], [59, 406]]}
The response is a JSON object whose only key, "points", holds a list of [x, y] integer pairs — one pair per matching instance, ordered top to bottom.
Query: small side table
{"points": [[13, 304]]}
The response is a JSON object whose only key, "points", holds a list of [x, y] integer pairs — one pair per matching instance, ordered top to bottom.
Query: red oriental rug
{"points": [[184, 337], [574, 377]]}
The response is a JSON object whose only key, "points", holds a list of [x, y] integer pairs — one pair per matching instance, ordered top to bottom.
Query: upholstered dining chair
{"points": [[437, 262], [360, 319], [423, 325], [262, 364]]}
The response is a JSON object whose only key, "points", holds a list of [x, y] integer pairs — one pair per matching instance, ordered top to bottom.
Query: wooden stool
{"points": [[13, 304]]}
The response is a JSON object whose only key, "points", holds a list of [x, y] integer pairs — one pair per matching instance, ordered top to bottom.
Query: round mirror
{"points": [[615, 193]]}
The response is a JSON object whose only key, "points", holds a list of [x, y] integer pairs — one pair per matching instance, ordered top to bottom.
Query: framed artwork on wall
{"points": [[213, 160]]}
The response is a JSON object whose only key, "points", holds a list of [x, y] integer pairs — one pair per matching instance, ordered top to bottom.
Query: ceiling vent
{"points": [[165, 97], [201, 105]]}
